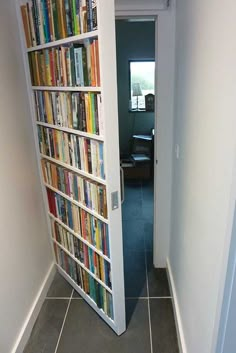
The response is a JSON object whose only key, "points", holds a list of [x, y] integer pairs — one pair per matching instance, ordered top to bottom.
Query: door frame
{"points": [[163, 145]]}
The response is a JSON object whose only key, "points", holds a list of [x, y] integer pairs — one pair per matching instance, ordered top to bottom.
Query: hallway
{"points": [[66, 323]]}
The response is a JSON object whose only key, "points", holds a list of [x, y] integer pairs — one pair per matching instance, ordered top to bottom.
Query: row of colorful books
{"points": [[48, 20], [73, 65], [79, 110], [80, 152], [90, 194], [81, 222], [91, 260], [85, 281]]}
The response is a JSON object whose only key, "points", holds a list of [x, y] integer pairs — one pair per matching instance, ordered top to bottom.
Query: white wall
{"points": [[165, 49], [205, 126], [25, 252]]}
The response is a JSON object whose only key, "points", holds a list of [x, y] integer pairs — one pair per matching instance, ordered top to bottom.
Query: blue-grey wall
{"points": [[134, 40]]}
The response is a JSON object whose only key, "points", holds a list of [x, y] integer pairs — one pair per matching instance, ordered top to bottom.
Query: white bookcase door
{"points": [[110, 139]]}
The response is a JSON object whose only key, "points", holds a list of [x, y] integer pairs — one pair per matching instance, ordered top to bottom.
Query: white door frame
{"points": [[164, 101]]}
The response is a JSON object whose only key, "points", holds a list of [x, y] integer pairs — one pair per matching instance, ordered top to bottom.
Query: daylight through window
{"points": [[142, 78]]}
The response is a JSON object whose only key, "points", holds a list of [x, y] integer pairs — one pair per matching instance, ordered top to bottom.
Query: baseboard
{"points": [[34, 311], [178, 321]]}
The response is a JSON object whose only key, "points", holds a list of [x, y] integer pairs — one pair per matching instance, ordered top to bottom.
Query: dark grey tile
{"points": [[133, 191], [148, 192], [131, 210], [147, 212], [133, 235], [148, 235], [135, 274], [157, 279], [59, 287], [76, 295], [85, 332], [45, 333], [164, 336]]}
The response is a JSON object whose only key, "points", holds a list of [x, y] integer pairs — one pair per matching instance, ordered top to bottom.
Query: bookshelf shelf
{"points": [[68, 40], [67, 88], [72, 131], [79, 171], [79, 204], [79, 237], [83, 266], [106, 318]]}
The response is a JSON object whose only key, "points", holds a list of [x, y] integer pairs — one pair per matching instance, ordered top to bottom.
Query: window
{"points": [[142, 78]]}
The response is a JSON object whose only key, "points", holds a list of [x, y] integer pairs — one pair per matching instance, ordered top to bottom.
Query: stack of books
{"points": [[49, 20], [73, 65], [79, 111], [79, 152], [83, 190], [81, 222], [91, 260], [81, 277]]}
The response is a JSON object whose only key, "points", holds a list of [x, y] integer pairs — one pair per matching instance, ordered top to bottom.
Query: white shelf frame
{"points": [[65, 41], [67, 88], [108, 89], [71, 131], [76, 170], [77, 203], [77, 235], [83, 266], [87, 298]]}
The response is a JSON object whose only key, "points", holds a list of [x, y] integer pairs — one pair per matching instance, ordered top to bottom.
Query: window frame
{"points": [[129, 73]]}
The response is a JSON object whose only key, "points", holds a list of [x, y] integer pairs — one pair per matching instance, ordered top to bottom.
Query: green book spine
{"points": [[73, 16], [55, 19]]}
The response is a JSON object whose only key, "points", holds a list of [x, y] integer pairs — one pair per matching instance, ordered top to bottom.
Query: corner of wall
{"points": [[177, 314], [29, 322]]}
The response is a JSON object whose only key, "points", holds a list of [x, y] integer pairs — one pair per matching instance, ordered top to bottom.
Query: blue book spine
{"points": [[45, 20], [81, 71], [101, 160], [75, 187], [69, 214], [107, 239]]}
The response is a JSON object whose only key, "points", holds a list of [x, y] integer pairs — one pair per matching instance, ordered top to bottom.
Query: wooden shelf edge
{"points": [[68, 40], [67, 88], [72, 131], [74, 169], [99, 252], [83, 266]]}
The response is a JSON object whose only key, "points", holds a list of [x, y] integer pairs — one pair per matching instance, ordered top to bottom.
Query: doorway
{"points": [[135, 45]]}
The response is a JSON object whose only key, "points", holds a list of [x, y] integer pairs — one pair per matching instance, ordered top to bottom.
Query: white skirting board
{"points": [[34, 311], [178, 321]]}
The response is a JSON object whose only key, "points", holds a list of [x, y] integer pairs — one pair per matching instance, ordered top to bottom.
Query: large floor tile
{"points": [[133, 191], [131, 210], [147, 212], [133, 235], [148, 235], [135, 274], [157, 279], [59, 288], [47, 328], [85, 332], [164, 336]]}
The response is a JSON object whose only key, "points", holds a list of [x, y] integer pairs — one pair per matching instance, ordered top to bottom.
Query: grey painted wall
{"points": [[134, 40]]}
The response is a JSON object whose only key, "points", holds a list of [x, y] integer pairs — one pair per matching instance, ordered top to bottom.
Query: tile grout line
{"points": [[148, 299], [63, 323]]}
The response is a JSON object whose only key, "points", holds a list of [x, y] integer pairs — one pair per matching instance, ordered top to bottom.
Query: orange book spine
{"points": [[26, 24], [98, 79]]}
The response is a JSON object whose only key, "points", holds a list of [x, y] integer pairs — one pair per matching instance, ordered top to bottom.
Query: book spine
{"points": [[26, 24]]}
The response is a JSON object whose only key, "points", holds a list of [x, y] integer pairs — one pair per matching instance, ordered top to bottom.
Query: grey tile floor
{"points": [[66, 324]]}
